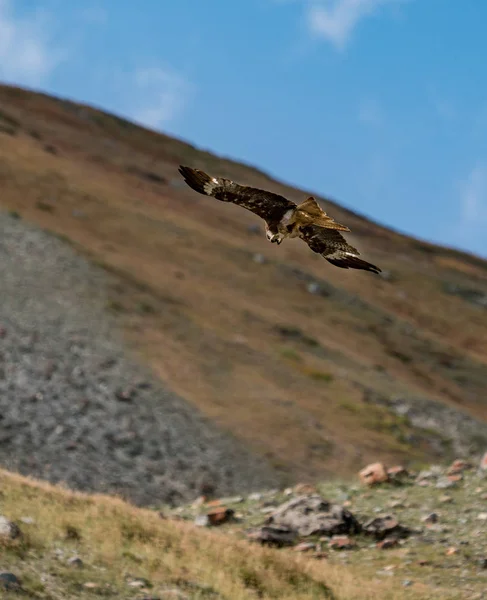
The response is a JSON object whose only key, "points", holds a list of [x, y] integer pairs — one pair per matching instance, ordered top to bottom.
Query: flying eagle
{"points": [[283, 218]]}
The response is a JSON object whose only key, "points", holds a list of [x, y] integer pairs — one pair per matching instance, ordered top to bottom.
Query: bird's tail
{"points": [[198, 180], [312, 210], [348, 261]]}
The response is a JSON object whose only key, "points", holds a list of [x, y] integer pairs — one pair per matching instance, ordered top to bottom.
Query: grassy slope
{"points": [[209, 319], [118, 542], [449, 553]]}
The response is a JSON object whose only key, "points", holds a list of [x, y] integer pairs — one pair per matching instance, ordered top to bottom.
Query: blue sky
{"points": [[378, 104]]}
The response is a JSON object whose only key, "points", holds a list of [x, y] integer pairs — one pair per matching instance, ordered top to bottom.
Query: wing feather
{"points": [[267, 205], [331, 244]]}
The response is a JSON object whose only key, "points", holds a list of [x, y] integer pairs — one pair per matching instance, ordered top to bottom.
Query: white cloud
{"points": [[335, 20], [27, 55], [160, 94], [474, 197]]}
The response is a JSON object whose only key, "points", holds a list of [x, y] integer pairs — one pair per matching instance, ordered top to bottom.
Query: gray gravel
{"points": [[76, 407]]}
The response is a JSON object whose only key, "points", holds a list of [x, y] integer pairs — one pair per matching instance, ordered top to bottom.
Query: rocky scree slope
{"points": [[76, 407]]}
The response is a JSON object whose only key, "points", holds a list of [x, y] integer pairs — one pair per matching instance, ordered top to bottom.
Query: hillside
{"points": [[311, 379], [57, 544]]}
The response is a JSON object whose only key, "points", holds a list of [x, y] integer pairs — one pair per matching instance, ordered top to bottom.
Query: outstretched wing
{"points": [[267, 205], [331, 244]]}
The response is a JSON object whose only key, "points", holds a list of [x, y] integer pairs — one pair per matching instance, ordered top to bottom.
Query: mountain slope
{"points": [[312, 367], [82, 546]]}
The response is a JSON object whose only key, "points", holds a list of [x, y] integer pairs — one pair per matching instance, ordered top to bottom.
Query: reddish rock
{"points": [[458, 466], [398, 473], [374, 474], [449, 481], [305, 488], [214, 503], [220, 515], [341, 542], [389, 542], [305, 547], [452, 550], [320, 555]]}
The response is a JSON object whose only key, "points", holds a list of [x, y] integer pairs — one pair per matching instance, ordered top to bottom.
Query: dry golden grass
{"points": [[115, 539]]}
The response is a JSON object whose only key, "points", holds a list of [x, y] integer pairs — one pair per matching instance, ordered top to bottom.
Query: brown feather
{"points": [[267, 205], [311, 208], [331, 244]]}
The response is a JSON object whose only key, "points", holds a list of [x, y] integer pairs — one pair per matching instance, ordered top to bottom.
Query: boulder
{"points": [[374, 474], [312, 515], [386, 526], [8, 529], [274, 536]]}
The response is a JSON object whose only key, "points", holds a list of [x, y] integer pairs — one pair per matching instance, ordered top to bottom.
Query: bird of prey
{"points": [[283, 218]]}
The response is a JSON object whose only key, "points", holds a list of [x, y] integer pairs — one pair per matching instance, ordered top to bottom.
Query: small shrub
{"points": [[6, 118], [7, 130], [45, 206], [115, 306], [146, 309], [290, 354], [401, 356], [321, 376], [350, 407], [135, 531], [72, 533], [252, 580]]}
